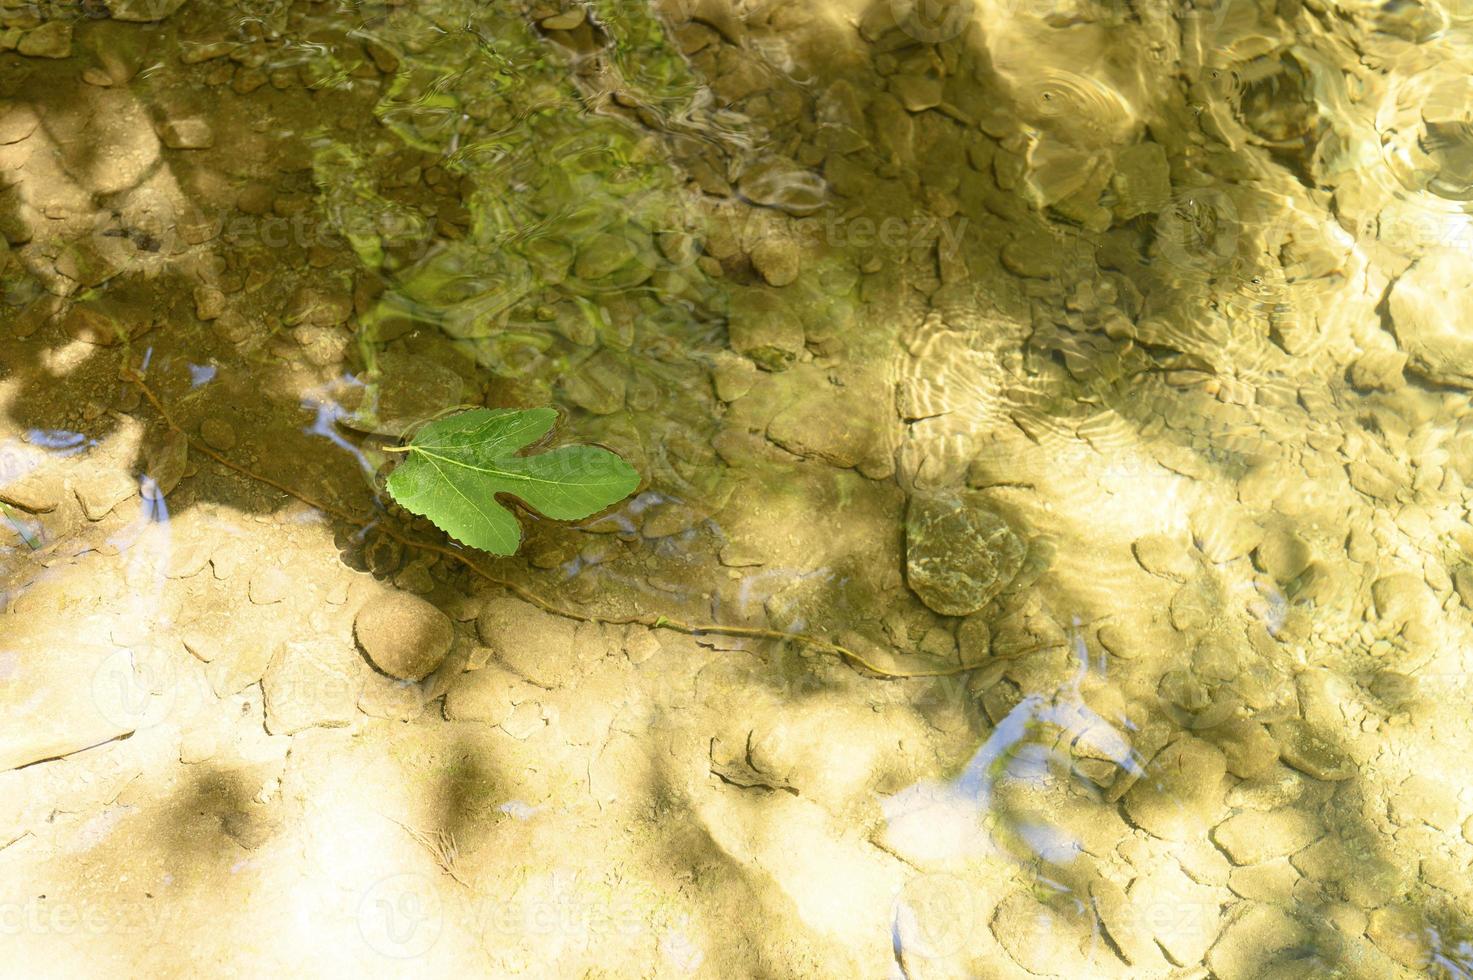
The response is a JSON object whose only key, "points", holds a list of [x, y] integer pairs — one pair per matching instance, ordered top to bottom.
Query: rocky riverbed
{"points": [[1094, 376]]}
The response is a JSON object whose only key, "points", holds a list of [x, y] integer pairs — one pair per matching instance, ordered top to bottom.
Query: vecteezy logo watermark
{"points": [[933, 21], [134, 692], [401, 916], [933, 916], [60, 917]]}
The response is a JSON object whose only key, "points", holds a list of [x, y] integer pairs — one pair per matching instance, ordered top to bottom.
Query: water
{"points": [[1155, 310]]}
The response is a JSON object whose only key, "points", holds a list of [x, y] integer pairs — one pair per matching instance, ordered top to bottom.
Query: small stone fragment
{"points": [[917, 92], [1142, 180], [166, 462], [405, 636], [487, 694], [56, 705], [1250, 750], [1421, 799], [1256, 936]]}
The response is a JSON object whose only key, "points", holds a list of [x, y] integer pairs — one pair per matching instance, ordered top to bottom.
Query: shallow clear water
{"points": [[1051, 553]]}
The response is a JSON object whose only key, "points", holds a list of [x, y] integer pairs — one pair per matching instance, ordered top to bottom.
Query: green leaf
{"points": [[456, 466]]}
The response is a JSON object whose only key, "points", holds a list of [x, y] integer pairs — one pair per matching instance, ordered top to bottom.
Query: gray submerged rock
{"points": [[958, 553]]}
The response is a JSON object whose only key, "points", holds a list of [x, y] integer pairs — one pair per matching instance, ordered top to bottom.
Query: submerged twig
{"points": [[442, 847]]}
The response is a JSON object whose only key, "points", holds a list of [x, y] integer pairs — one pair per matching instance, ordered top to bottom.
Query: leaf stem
{"points": [[395, 449]]}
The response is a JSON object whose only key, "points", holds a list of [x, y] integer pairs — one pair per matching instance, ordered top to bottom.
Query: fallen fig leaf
{"points": [[454, 467]]}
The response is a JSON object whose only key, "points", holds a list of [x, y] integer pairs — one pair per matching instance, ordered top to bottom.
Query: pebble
{"points": [[144, 11], [565, 21], [51, 40], [917, 92], [187, 134], [1142, 180], [778, 182], [603, 255], [1033, 255], [777, 260], [209, 303], [1428, 306], [315, 307], [760, 326], [1379, 370], [732, 376], [839, 425], [217, 434], [166, 462], [100, 491], [33, 492], [1226, 533], [958, 552], [1167, 555], [1282, 555], [1463, 584], [268, 586], [1399, 597], [1192, 607], [405, 636], [974, 640], [535, 644], [640, 644], [310, 685], [487, 695], [383, 697], [48, 713], [1250, 750], [1312, 752], [1181, 794], [1421, 799], [1255, 836], [1271, 881], [1187, 917], [1401, 934], [1255, 937], [1041, 938]]}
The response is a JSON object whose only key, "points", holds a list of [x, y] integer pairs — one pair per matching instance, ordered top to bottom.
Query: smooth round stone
{"points": [[958, 553], [405, 636]]}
